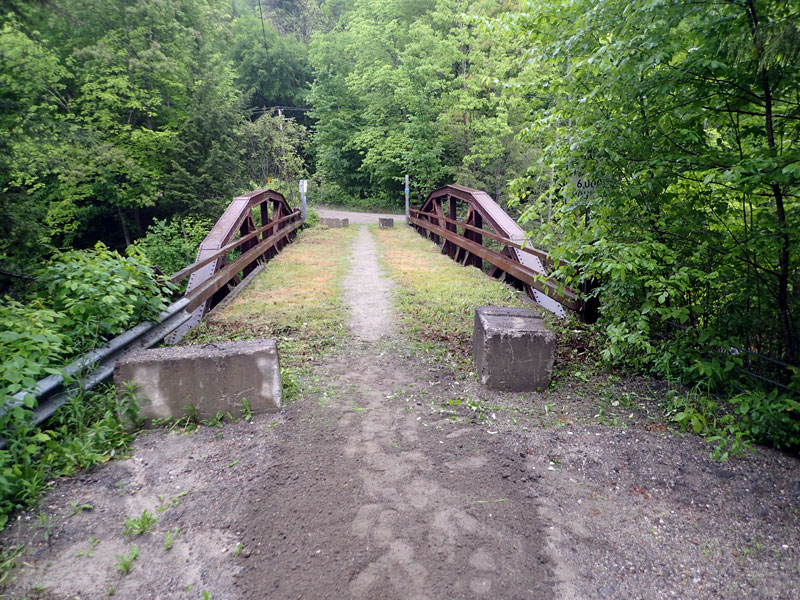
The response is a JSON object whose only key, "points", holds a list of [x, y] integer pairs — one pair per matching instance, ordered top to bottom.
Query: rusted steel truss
{"points": [[521, 265], [212, 276]]}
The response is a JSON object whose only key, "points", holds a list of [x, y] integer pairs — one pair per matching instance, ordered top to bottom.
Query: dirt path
{"points": [[368, 291], [399, 506]]}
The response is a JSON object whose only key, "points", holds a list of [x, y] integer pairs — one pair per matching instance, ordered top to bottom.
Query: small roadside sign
{"points": [[584, 185]]}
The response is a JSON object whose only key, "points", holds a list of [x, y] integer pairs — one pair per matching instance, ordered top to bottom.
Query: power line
{"points": [[263, 30], [266, 108]]}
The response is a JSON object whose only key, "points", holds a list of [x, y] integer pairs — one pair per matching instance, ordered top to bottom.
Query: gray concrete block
{"points": [[333, 222], [384, 223], [514, 350], [212, 378]]}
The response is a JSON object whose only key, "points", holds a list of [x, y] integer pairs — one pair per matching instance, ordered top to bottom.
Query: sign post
{"points": [[303, 190], [407, 211]]}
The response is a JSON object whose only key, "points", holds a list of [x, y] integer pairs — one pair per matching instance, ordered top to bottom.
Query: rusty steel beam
{"points": [[486, 210], [237, 218], [543, 256], [186, 271], [525, 274], [221, 278]]}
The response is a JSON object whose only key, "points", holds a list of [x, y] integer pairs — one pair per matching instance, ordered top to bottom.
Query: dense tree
{"points": [[400, 87], [121, 111], [688, 116]]}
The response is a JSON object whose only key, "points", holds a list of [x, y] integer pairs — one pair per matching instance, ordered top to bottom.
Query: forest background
{"points": [[652, 144]]}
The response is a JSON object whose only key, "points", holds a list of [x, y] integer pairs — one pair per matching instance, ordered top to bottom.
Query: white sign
{"points": [[584, 185], [303, 186]]}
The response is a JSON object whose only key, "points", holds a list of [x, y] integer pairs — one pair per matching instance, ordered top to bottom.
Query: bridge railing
{"points": [[521, 264], [212, 277]]}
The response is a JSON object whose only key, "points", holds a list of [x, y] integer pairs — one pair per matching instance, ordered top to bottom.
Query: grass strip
{"points": [[436, 297], [297, 300]]}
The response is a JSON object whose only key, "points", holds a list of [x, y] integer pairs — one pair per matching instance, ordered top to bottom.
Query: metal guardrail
{"points": [[523, 265], [212, 278], [97, 365]]}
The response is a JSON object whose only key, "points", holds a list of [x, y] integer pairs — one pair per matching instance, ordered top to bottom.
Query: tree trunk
{"points": [[125, 232]]}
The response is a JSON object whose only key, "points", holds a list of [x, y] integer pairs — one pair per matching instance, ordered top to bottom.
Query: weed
{"points": [[291, 385], [128, 404], [247, 413], [701, 414], [216, 421], [189, 422], [84, 432], [233, 463], [173, 502], [78, 508], [46, 523], [139, 525], [169, 538], [93, 542], [238, 550], [125, 561], [8, 562], [111, 591], [206, 596]]}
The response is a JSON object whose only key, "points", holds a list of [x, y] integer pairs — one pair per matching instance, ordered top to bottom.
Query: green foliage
{"points": [[272, 69], [407, 87], [111, 117], [273, 152], [312, 218], [690, 231], [172, 244], [98, 293], [85, 297], [32, 343], [769, 417], [83, 433], [139, 525], [169, 538], [125, 561]]}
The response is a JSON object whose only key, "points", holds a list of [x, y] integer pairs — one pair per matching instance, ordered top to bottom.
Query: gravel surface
{"points": [[360, 218]]}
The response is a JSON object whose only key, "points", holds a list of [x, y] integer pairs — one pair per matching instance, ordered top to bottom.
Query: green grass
{"points": [[435, 296], [296, 300], [83, 433]]}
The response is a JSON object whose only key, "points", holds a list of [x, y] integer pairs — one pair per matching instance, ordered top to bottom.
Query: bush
{"points": [[312, 218], [172, 245], [98, 293], [84, 298], [31, 343]]}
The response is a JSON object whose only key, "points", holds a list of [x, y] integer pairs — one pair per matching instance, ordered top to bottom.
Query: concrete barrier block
{"points": [[333, 222], [385, 223], [514, 350], [211, 378]]}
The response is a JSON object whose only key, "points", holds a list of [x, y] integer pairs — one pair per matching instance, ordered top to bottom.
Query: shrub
{"points": [[312, 218], [172, 245], [99, 294], [31, 343]]}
